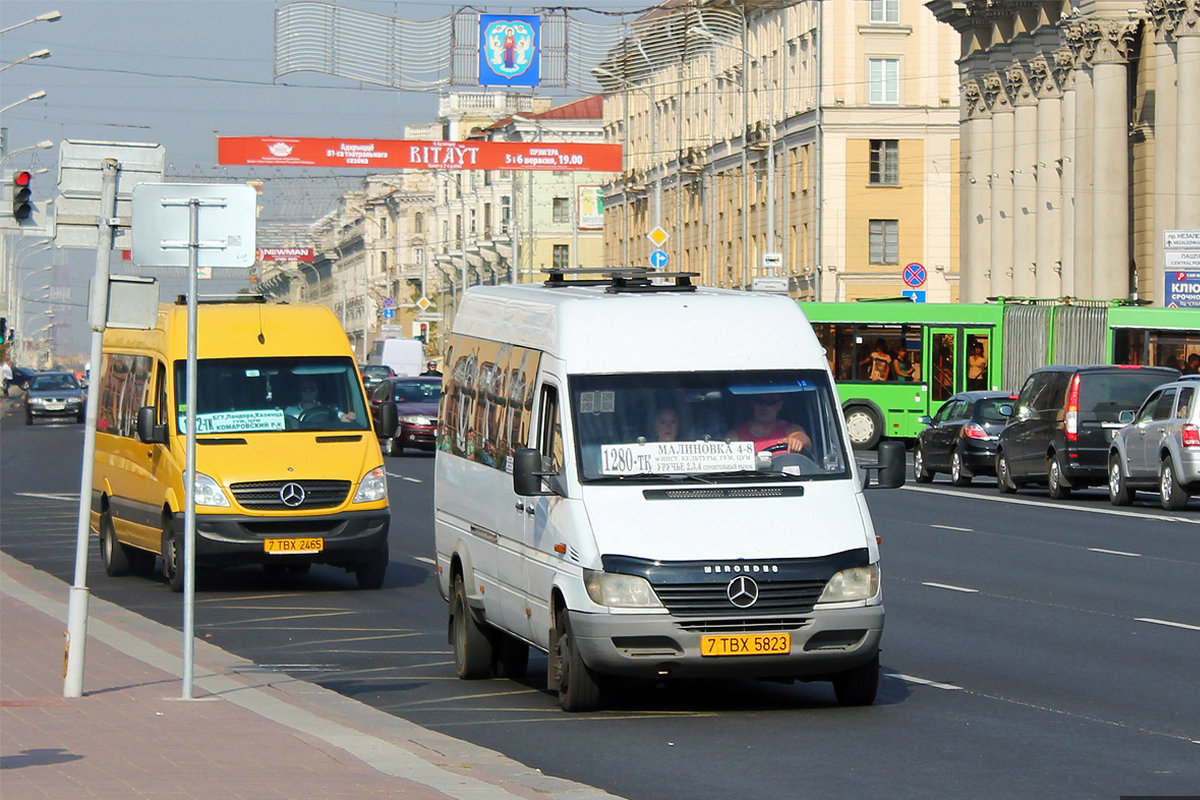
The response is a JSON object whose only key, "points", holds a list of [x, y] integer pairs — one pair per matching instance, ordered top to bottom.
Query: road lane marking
{"points": [[404, 477], [61, 497], [1023, 502], [953, 528], [1114, 552], [425, 560], [951, 587], [1168, 623], [950, 687]]}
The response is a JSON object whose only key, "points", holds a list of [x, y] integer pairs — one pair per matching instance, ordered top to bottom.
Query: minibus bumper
{"points": [[345, 539], [650, 646]]}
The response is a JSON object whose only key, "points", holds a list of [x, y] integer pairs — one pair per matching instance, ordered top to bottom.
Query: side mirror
{"points": [[1006, 410], [1125, 417], [925, 419], [389, 420], [149, 431], [890, 468], [528, 474]]}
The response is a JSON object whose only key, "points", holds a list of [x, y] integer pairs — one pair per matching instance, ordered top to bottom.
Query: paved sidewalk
{"points": [[131, 736]]}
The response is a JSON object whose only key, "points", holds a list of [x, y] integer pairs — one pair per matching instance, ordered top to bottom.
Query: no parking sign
{"points": [[914, 275]]}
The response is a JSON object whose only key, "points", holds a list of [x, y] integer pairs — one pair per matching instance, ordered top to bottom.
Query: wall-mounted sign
{"points": [[290, 151], [590, 203]]}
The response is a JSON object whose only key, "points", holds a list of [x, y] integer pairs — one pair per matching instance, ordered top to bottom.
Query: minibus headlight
{"points": [[373, 487], [208, 492], [856, 583], [619, 591]]}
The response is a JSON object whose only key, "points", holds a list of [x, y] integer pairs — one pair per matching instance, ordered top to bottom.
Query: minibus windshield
{"points": [[248, 395], [663, 427]]}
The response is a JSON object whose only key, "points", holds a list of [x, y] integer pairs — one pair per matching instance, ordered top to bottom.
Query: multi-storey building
{"points": [[1078, 126], [822, 137]]}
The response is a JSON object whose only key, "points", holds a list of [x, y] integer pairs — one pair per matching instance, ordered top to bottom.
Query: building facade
{"points": [[1078, 123]]}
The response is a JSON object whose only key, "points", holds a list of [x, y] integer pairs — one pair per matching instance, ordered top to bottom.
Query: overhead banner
{"points": [[509, 50], [380, 154]]}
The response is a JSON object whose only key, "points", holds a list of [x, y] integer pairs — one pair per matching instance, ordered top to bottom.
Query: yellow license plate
{"points": [[293, 546], [746, 644]]}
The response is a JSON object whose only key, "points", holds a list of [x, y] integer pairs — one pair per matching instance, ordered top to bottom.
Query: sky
{"points": [[178, 73]]}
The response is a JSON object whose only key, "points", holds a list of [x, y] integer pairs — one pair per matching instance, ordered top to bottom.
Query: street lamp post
{"points": [[49, 16], [35, 54], [38, 95]]}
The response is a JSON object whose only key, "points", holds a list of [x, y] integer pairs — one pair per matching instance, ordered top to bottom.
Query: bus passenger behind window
{"points": [[878, 363]]}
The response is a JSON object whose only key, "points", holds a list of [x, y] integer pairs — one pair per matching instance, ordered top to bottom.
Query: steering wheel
{"points": [[317, 414], [780, 457]]}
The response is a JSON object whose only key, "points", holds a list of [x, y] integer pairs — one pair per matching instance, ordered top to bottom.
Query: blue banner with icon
{"points": [[509, 50]]}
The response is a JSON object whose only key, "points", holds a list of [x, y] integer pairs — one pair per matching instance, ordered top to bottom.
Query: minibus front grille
{"points": [[267, 496], [712, 599], [743, 625]]}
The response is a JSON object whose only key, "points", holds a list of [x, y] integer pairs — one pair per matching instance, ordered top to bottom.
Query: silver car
{"points": [[54, 394], [1159, 450]]}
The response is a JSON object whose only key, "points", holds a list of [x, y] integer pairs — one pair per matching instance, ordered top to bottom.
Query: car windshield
{"points": [[43, 383], [416, 391], [246, 395], [989, 410], [663, 427]]}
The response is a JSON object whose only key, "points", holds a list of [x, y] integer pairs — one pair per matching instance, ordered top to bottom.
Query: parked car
{"points": [[372, 374], [54, 394], [416, 402], [1064, 422], [961, 437], [1160, 449]]}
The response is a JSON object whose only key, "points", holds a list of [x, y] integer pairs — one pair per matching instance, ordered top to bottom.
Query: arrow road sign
{"points": [[659, 259]]}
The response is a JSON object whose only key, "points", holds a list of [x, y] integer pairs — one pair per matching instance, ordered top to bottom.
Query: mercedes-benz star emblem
{"points": [[292, 494], [742, 591]]}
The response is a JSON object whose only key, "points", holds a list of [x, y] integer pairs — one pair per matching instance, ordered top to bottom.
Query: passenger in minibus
{"points": [[766, 430]]}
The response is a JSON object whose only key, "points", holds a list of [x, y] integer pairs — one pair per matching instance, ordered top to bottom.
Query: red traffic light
{"points": [[22, 178], [22, 193]]}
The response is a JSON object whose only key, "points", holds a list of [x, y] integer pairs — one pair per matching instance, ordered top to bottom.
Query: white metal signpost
{"points": [[192, 225]]}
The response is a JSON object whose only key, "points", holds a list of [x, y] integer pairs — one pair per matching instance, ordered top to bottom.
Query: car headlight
{"points": [[37, 401], [416, 419], [373, 487], [208, 492], [856, 583], [619, 591]]}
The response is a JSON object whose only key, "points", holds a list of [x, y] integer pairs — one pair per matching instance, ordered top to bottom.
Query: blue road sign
{"points": [[659, 259], [914, 275], [1183, 289], [917, 296], [389, 313]]}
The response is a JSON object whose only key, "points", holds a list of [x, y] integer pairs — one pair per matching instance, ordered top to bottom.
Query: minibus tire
{"points": [[112, 552], [172, 556], [370, 574], [472, 647], [512, 657], [858, 686], [578, 689]]}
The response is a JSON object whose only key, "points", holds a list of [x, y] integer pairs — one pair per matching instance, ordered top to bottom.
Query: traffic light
{"points": [[22, 196], [423, 332]]}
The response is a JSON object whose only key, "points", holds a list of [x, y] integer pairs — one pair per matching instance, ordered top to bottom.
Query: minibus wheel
{"points": [[112, 552], [172, 556], [370, 574], [472, 648], [512, 657], [858, 686], [578, 689]]}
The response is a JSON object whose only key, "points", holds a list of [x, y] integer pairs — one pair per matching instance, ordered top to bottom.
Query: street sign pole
{"points": [[77, 601]]}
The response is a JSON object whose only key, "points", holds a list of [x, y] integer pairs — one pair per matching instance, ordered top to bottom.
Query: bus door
{"points": [[959, 360]]}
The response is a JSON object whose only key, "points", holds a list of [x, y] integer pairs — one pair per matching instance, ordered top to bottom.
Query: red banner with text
{"points": [[285, 151]]}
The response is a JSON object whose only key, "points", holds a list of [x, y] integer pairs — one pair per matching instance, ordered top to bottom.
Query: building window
{"points": [[885, 11], [885, 81], [885, 162], [562, 209], [505, 213], [418, 222], [885, 241], [562, 256]]}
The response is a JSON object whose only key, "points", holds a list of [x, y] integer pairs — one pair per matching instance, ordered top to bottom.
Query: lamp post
{"points": [[49, 16], [35, 54], [38, 95]]}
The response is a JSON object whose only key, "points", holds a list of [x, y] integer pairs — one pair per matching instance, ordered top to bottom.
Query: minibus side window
{"points": [[161, 411], [550, 443]]}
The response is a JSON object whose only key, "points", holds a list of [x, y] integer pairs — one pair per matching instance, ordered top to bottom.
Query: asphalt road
{"points": [[1032, 649]]}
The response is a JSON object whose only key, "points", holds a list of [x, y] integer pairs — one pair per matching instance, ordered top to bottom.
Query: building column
{"points": [[1066, 60], [1166, 138], [1110, 161], [1187, 165], [1024, 181], [1001, 188], [975, 225], [1048, 256]]}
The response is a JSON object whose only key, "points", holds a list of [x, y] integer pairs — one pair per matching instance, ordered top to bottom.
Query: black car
{"points": [[54, 394], [416, 401], [1064, 420], [961, 437]]}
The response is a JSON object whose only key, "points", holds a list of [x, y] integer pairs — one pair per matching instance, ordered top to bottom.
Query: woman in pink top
{"points": [[767, 430]]}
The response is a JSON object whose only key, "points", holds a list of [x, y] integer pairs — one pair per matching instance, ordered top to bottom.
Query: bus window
{"points": [[977, 362], [943, 366]]}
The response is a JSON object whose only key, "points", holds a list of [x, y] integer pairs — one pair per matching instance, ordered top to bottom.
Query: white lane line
{"points": [[404, 477], [64, 498], [1022, 502], [952, 528], [1114, 552], [425, 560], [951, 587], [1168, 623], [950, 687]]}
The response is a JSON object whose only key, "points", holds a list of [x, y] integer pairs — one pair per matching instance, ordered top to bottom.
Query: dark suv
{"points": [[1064, 420]]}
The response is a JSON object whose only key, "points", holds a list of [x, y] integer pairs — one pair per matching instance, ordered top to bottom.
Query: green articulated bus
{"points": [[896, 361]]}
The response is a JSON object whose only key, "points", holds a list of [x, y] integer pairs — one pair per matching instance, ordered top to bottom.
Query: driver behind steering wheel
{"points": [[310, 399], [767, 431]]}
